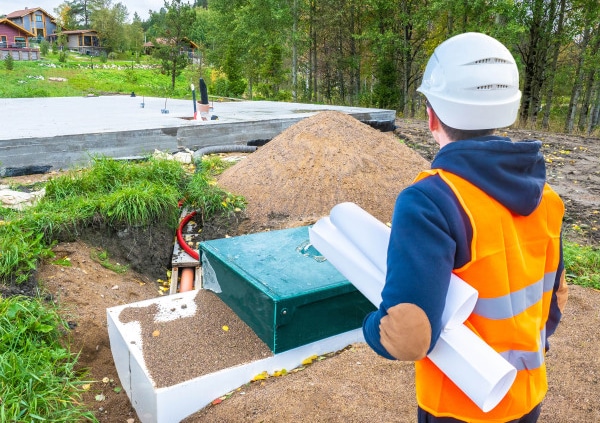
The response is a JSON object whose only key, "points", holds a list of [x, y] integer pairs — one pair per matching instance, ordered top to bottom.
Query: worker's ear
{"points": [[434, 122]]}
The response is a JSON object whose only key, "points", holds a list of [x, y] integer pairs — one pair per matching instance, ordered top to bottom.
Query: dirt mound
{"points": [[319, 162]]}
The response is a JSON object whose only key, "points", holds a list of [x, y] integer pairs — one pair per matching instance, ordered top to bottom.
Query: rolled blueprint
{"points": [[355, 243], [479, 371]]}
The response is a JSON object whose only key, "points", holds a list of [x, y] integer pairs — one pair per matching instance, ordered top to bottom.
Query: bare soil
{"points": [[352, 385]]}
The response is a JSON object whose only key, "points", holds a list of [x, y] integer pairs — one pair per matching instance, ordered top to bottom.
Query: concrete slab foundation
{"points": [[38, 135]]}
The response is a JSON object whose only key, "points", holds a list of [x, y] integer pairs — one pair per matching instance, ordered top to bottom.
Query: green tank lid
{"points": [[282, 287]]}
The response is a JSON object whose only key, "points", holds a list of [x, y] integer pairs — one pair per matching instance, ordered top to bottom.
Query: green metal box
{"points": [[282, 288]]}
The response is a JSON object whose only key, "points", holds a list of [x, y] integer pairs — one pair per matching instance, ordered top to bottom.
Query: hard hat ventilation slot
{"points": [[491, 61], [490, 87]]}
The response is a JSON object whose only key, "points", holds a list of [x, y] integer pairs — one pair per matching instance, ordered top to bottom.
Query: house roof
{"points": [[21, 13], [20, 28], [79, 31], [170, 41]]}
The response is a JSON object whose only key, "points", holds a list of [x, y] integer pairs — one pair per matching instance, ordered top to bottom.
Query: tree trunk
{"points": [[295, 52], [313, 52], [533, 56], [554, 65], [591, 76], [576, 91], [595, 113]]}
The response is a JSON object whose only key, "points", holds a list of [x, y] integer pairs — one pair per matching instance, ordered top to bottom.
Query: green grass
{"points": [[85, 76], [113, 192], [203, 194], [20, 251], [102, 257], [582, 265], [38, 380]]}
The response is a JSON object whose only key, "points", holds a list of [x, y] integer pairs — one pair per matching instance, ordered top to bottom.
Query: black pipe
{"points": [[203, 91]]}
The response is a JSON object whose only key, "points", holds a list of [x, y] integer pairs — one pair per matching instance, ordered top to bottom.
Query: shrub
{"points": [[44, 47], [9, 62]]}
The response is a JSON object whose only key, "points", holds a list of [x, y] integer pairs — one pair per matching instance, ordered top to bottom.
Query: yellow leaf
{"points": [[225, 328], [156, 333], [309, 360], [281, 372], [260, 376]]}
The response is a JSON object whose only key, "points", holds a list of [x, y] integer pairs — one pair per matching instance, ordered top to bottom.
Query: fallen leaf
{"points": [[225, 328], [156, 333], [309, 360], [281, 372], [260, 376], [105, 380], [100, 397], [217, 401]]}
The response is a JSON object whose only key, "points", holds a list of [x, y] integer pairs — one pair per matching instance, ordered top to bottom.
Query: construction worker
{"points": [[485, 213]]}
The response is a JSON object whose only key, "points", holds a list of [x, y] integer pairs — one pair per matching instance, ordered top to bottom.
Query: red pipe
{"points": [[193, 253]]}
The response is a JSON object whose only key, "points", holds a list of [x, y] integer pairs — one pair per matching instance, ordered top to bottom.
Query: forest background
{"points": [[369, 53]]}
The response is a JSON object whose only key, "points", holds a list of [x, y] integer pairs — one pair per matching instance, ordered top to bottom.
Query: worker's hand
{"points": [[405, 332]]}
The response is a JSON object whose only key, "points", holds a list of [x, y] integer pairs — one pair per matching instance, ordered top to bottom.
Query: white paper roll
{"points": [[363, 230], [347, 259], [460, 302], [475, 367]]}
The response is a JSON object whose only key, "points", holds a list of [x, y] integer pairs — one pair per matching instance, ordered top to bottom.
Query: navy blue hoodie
{"points": [[431, 234]]}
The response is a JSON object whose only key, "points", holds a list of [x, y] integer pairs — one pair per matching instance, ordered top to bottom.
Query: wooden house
{"points": [[36, 20], [13, 35], [14, 40], [83, 41], [187, 48]]}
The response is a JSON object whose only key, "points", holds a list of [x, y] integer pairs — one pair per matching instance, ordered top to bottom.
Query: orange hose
{"points": [[187, 279]]}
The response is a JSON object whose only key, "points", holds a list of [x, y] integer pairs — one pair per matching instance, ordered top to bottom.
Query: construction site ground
{"points": [[353, 385]]}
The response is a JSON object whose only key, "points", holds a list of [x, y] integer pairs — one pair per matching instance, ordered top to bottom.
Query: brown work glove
{"points": [[405, 332]]}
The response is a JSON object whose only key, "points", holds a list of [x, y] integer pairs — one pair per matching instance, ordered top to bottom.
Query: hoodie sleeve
{"points": [[427, 240], [560, 294]]}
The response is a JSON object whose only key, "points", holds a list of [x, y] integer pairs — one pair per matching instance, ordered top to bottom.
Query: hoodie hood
{"points": [[513, 173]]}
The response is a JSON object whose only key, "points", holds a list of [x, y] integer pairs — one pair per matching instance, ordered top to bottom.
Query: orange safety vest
{"points": [[514, 260]]}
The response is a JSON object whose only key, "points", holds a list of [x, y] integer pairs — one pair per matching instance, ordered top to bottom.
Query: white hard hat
{"points": [[472, 82]]}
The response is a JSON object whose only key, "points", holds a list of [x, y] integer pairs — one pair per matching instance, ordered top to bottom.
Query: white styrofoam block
{"points": [[173, 403]]}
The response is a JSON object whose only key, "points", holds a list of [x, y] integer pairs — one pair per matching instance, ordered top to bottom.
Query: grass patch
{"points": [[84, 75], [113, 192], [204, 195], [20, 251], [101, 256], [65, 262], [582, 265], [38, 381]]}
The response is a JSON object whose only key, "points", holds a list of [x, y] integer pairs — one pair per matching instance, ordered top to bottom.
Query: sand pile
{"points": [[319, 162]]}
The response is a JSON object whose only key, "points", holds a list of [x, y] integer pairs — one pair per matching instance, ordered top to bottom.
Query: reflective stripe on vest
{"points": [[513, 265], [515, 302], [527, 360]]}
